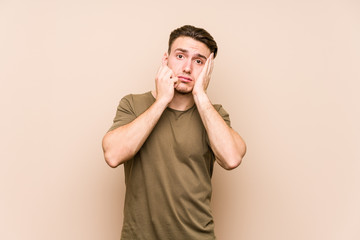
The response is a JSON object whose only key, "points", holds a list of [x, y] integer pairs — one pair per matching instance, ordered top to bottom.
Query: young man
{"points": [[168, 140]]}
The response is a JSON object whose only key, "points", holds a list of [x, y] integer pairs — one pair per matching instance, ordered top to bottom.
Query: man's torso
{"points": [[168, 182]]}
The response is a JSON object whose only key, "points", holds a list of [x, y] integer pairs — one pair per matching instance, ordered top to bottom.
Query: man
{"points": [[168, 140]]}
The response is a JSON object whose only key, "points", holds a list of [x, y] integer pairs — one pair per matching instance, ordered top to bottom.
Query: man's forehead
{"points": [[190, 45]]}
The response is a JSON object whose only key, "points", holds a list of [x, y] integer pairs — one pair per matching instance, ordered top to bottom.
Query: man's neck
{"points": [[182, 102]]}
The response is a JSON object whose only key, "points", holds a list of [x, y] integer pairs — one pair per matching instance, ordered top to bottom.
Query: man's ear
{"points": [[165, 58]]}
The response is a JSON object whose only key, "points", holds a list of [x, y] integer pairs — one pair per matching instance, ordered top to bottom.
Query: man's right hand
{"points": [[165, 82]]}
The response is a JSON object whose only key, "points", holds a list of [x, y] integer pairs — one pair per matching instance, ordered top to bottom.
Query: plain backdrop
{"points": [[287, 72]]}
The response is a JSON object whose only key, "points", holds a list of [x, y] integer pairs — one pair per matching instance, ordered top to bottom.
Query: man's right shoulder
{"points": [[147, 96], [138, 102]]}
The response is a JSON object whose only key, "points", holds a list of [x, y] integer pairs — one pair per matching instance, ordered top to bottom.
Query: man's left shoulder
{"points": [[217, 106], [223, 113]]}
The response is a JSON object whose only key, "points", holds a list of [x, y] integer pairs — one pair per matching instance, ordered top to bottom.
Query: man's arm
{"points": [[122, 143], [227, 145]]}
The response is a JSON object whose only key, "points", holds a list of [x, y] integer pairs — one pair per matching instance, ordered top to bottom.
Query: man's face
{"points": [[186, 59]]}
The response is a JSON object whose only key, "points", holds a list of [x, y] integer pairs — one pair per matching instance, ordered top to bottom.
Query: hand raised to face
{"points": [[165, 81], [202, 82]]}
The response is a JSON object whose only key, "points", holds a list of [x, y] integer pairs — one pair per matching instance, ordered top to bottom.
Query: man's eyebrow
{"points": [[186, 51], [201, 56]]}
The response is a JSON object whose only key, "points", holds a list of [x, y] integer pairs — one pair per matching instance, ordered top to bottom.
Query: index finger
{"points": [[211, 59], [208, 61]]}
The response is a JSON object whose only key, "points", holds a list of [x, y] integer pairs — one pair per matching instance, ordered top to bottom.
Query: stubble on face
{"points": [[191, 48], [183, 92]]}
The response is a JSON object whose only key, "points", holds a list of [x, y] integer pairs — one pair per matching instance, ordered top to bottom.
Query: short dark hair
{"points": [[198, 34]]}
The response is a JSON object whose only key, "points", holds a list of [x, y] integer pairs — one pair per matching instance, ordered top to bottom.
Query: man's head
{"points": [[198, 34], [189, 49]]}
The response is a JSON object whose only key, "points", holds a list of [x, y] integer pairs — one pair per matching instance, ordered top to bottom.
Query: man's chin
{"points": [[183, 91]]}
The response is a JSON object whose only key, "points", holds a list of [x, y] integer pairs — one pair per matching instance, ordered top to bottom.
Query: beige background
{"points": [[287, 72]]}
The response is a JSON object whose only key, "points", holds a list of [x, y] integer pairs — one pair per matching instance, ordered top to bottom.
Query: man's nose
{"points": [[187, 66]]}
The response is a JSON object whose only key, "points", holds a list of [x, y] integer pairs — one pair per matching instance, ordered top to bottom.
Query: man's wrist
{"points": [[199, 93], [201, 97], [161, 103]]}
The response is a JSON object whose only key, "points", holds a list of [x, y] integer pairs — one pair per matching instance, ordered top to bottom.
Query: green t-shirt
{"points": [[168, 182]]}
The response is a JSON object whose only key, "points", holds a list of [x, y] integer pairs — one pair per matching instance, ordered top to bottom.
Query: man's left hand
{"points": [[203, 79]]}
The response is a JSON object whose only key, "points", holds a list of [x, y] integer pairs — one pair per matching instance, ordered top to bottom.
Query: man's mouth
{"points": [[184, 79]]}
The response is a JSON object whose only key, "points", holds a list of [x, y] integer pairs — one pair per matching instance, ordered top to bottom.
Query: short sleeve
{"points": [[125, 113], [223, 113]]}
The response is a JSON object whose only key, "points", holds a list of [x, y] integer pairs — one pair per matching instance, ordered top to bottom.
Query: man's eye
{"points": [[180, 56], [199, 61]]}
